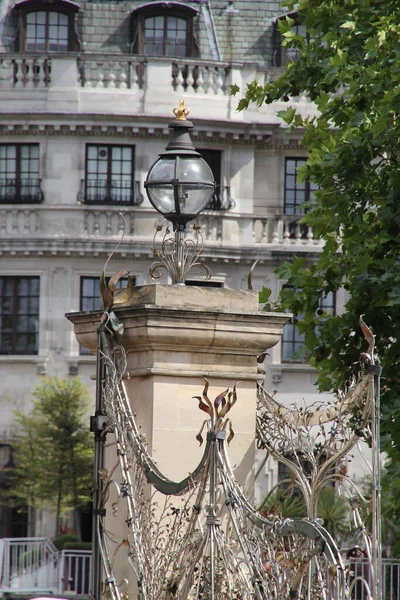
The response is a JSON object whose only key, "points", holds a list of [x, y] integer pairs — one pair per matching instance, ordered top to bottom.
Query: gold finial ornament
{"points": [[181, 112]]}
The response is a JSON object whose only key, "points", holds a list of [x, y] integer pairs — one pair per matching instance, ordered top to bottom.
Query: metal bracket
{"points": [[98, 423]]}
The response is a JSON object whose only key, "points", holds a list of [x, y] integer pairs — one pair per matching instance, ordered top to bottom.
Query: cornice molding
{"points": [[239, 136]]}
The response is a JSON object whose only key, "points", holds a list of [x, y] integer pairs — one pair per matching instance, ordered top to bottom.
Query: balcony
{"points": [[123, 84], [20, 191], [112, 192], [88, 229]]}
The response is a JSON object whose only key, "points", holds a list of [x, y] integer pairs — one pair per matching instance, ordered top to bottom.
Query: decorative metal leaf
{"points": [[369, 336], [205, 397], [220, 399], [203, 406], [228, 425], [199, 437]]}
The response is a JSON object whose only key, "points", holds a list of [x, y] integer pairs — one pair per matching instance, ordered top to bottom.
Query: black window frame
{"points": [[62, 7], [164, 10], [309, 188], [17, 189], [304, 191], [97, 194], [15, 315], [292, 339]]}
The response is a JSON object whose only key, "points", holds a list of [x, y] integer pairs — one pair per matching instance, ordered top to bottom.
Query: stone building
{"points": [[86, 94]]}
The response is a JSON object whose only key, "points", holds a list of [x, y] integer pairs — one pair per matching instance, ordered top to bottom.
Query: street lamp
{"points": [[179, 185]]}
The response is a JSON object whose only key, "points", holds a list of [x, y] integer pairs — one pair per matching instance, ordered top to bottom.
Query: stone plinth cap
{"points": [[179, 295], [167, 327]]}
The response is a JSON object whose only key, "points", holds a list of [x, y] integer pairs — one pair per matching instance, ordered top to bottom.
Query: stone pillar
{"points": [[176, 336]]}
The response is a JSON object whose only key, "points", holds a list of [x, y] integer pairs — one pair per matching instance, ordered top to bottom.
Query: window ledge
{"points": [[278, 369]]}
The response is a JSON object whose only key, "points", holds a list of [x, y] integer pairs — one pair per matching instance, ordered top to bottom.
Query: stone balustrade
{"points": [[20, 71], [116, 73], [200, 77], [123, 84], [83, 223]]}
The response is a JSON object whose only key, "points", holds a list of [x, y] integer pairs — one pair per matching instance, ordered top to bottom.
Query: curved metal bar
{"points": [[175, 488]]}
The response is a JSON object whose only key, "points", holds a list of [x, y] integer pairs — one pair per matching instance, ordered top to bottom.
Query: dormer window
{"points": [[47, 26], [164, 29], [283, 54]]}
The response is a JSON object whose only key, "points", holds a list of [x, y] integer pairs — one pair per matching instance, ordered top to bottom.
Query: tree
{"points": [[349, 66], [54, 450]]}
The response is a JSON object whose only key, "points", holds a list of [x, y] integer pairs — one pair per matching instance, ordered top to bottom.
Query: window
{"points": [[47, 26], [164, 29], [46, 32], [283, 54], [19, 173], [110, 175], [296, 194], [221, 199], [19, 315], [293, 350]]}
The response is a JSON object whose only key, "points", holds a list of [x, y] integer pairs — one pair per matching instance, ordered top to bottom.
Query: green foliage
{"points": [[350, 67], [264, 297], [54, 449], [283, 504], [334, 510], [60, 541]]}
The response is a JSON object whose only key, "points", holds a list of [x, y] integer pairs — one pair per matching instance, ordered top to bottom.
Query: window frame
{"points": [[63, 7], [162, 9], [281, 55], [15, 198], [135, 198], [15, 315], [294, 338]]}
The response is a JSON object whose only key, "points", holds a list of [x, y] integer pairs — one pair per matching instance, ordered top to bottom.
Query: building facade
{"points": [[86, 93]]}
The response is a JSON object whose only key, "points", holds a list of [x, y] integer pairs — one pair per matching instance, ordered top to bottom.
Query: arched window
{"points": [[47, 26], [164, 29]]}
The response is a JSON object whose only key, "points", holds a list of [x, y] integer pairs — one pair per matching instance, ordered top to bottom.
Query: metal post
{"points": [[179, 254], [375, 370], [98, 424]]}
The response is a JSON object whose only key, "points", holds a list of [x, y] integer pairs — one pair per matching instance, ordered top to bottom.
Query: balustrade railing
{"points": [[20, 71], [118, 73], [200, 77], [91, 222]]}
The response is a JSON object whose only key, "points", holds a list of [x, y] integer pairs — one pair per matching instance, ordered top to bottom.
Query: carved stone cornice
{"points": [[249, 134]]}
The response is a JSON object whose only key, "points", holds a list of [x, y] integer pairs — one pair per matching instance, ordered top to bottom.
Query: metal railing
{"points": [[20, 191], [110, 192], [222, 199], [29, 565], [75, 571], [360, 578]]}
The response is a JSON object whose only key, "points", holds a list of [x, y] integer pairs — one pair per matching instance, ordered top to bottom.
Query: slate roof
{"points": [[244, 28]]}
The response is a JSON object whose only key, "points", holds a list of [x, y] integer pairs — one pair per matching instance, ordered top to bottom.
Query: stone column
{"points": [[176, 336]]}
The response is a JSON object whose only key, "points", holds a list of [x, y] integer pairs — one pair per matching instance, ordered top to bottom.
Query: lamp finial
{"points": [[181, 112]]}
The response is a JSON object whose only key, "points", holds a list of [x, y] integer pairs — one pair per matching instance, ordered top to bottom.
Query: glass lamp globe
{"points": [[180, 185]]}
